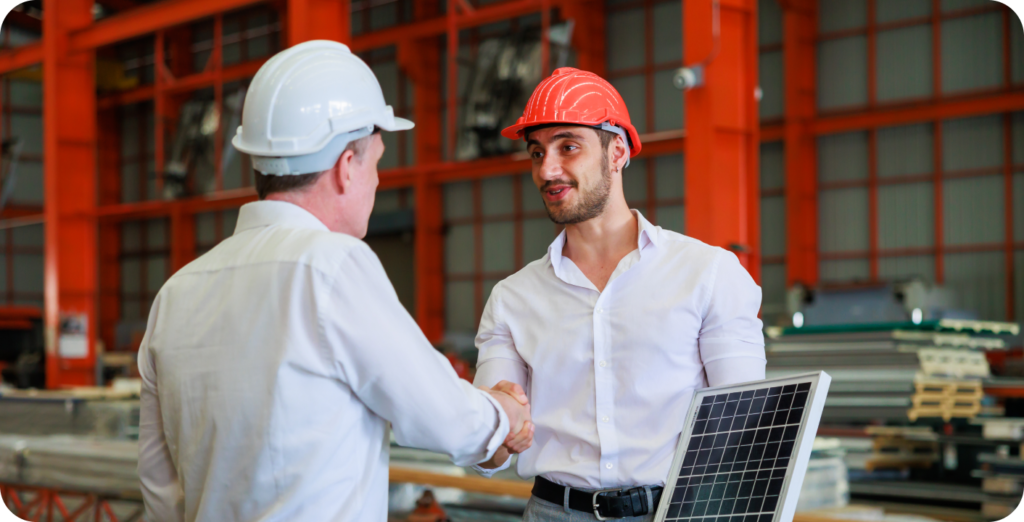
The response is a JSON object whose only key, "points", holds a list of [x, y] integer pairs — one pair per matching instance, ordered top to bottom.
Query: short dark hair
{"points": [[267, 184]]}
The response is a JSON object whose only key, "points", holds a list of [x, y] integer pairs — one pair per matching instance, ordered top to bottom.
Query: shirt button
{"points": [[602, 364], [605, 418], [608, 465]]}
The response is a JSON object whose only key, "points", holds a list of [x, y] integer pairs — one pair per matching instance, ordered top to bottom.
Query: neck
{"points": [[309, 201], [604, 239]]}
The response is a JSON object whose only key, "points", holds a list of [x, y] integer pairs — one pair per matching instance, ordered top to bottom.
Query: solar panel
{"points": [[744, 451]]}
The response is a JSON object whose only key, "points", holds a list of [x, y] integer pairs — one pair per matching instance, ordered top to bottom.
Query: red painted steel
{"points": [[319, 20], [799, 49], [21, 57], [721, 134], [69, 144], [109, 152], [42, 504]]}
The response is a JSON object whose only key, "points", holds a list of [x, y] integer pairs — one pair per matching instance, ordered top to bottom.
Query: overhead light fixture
{"points": [[798, 320]]}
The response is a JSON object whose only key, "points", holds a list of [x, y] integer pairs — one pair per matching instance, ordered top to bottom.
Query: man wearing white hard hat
{"points": [[272, 365]]}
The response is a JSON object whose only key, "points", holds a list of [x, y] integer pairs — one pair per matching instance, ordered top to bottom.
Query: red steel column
{"points": [[319, 20], [421, 62], [69, 141], [109, 150], [801, 159], [722, 188]]}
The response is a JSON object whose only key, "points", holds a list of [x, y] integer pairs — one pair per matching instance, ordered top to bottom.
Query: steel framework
{"points": [[721, 137], [40, 504]]}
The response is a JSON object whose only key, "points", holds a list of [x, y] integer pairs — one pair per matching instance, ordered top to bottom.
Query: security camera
{"points": [[687, 78]]}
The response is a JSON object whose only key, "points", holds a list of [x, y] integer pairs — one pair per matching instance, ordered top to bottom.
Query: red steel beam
{"points": [[147, 19], [318, 20], [21, 57], [1009, 101], [69, 145], [723, 202]]}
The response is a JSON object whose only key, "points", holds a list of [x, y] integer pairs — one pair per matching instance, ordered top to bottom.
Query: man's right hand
{"points": [[514, 401]]}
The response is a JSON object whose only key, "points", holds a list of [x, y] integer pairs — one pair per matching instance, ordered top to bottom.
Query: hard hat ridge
{"points": [[306, 104]]}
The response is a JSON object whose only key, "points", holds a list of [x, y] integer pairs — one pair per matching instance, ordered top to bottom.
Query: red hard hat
{"points": [[575, 97]]}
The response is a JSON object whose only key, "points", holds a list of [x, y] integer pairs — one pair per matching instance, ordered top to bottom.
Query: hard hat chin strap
{"points": [[605, 126], [318, 161]]}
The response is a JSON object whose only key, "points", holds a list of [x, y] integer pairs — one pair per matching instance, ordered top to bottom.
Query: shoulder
{"points": [[691, 251]]}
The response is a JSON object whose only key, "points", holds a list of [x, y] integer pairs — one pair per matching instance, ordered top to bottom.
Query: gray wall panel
{"points": [[958, 5], [895, 10], [836, 15], [769, 22], [668, 32], [625, 40], [1016, 49], [972, 52], [904, 63], [770, 72], [842, 73], [633, 92], [670, 109], [972, 143], [904, 151], [843, 157], [773, 165], [669, 177], [634, 182], [28, 185], [530, 193], [496, 196], [458, 200], [974, 210], [1018, 210], [906, 215], [672, 217], [843, 220], [773, 226], [537, 236], [499, 246], [459, 247], [907, 267], [844, 270], [1018, 270], [979, 279], [773, 288], [459, 313]]}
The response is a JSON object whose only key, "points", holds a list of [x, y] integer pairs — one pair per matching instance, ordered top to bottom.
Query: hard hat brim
{"points": [[400, 124], [518, 131]]}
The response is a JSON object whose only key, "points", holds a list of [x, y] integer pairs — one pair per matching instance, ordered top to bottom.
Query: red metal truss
{"points": [[21, 57], [40, 504]]}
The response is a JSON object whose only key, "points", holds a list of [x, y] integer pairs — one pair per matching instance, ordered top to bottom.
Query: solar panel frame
{"points": [[799, 457]]}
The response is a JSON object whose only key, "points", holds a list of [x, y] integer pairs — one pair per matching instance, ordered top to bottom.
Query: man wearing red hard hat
{"points": [[613, 329]]}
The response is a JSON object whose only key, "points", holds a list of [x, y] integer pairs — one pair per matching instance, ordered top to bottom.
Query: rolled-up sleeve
{"points": [[731, 340], [387, 361]]}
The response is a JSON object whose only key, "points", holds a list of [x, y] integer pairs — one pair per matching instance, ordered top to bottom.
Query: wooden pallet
{"points": [[959, 389], [945, 410]]}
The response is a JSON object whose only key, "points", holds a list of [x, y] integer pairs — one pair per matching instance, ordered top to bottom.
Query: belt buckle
{"points": [[594, 502]]}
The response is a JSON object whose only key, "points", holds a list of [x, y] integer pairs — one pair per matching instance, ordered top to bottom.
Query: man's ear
{"points": [[620, 153], [343, 171]]}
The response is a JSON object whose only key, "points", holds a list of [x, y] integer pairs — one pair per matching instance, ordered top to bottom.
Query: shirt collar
{"points": [[266, 213], [647, 235]]}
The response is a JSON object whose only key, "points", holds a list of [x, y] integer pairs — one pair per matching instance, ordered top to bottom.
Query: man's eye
{"points": [[569, 148], [536, 154]]}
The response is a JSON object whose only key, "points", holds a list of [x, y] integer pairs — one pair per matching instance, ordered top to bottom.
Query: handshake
{"points": [[520, 434]]}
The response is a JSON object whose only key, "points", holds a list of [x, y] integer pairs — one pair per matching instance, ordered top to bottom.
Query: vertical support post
{"points": [[319, 20], [799, 29], [588, 34], [545, 41], [421, 62], [452, 80], [159, 110], [69, 141], [722, 203], [183, 237]]}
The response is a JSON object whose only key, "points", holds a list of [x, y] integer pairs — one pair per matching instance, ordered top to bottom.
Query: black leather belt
{"points": [[604, 504]]}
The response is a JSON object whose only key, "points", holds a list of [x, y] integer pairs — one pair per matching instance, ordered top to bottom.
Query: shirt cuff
{"points": [[501, 431], [488, 473]]}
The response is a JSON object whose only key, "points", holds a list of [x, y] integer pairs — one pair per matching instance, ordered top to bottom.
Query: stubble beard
{"points": [[591, 203]]}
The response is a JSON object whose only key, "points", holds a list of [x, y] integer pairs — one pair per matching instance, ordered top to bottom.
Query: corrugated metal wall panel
{"points": [[957, 5], [895, 10], [837, 15], [769, 22], [668, 32], [625, 41], [972, 52], [904, 63], [842, 73], [770, 74], [387, 75], [668, 101], [1017, 127], [972, 143], [904, 151], [843, 157], [773, 165], [669, 176], [634, 182], [496, 196], [531, 197], [458, 200], [974, 210], [1018, 211], [906, 215], [672, 217], [843, 220], [773, 226], [537, 236], [459, 245], [499, 246], [907, 267], [844, 270], [1018, 270], [979, 279], [773, 290], [459, 315]]}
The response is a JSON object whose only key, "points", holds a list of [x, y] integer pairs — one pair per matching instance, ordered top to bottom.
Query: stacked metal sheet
{"points": [[873, 372], [77, 463]]}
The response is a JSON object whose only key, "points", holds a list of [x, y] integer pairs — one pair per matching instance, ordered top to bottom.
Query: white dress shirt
{"points": [[271, 367], [610, 374]]}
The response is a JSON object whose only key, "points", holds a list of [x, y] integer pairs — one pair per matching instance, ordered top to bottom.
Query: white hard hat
{"points": [[306, 104]]}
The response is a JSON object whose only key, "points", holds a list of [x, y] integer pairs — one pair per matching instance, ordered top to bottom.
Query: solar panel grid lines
{"points": [[733, 465]]}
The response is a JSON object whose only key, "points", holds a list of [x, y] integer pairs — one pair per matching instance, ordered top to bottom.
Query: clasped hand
{"points": [[514, 401]]}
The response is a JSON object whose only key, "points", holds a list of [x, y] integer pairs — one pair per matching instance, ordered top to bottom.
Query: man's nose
{"points": [[550, 167]]}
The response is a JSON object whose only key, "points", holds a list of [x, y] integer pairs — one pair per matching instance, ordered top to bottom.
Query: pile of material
{"points": [[946, 398], [88, 412], [67, 462]]}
